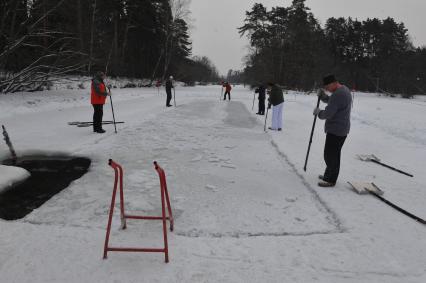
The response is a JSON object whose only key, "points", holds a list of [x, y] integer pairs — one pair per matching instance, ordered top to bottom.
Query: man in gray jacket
{"points": [[337, 116]]}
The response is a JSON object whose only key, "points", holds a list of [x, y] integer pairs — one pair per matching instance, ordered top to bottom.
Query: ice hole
{"points": [[49, 176]]}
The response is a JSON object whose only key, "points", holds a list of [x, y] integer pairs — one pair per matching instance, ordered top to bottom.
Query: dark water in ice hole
{"points": [[49, 176]]}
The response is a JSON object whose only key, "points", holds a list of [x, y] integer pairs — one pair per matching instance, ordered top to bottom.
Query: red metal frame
{"points": [[165, 200]]}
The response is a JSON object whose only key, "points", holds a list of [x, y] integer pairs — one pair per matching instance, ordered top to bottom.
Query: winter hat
{"points": [[99, 74], [171, 77], [329, 79]]}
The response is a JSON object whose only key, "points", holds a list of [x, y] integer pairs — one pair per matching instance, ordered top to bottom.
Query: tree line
{"points": [[41, 39], [289, 46]]}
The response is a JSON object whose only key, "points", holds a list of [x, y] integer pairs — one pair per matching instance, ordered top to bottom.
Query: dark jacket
{"points": [[169, 85], [227, 87], [261, 90], [276, 97], [338, 112]]}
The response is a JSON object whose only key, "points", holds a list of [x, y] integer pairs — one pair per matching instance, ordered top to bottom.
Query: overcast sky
{"points": [[214, 33]]}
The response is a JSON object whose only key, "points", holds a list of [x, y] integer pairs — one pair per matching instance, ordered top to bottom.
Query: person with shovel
{"points": [[228, 88], [98, 96], [337, 116]]}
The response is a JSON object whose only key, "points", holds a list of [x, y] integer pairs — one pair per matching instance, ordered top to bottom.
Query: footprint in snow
{"points": [[230, 147], [197, 158], [228, 166], [211, 188], [267, 203]]}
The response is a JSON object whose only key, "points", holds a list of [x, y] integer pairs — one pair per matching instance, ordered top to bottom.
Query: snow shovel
{"points": [[376, 160], [373, 189]]}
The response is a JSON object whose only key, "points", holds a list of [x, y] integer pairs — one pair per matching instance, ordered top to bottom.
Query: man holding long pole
{"points": [[169, 87], [228, 88], [261, 90], [98, 96], [337, 116]]}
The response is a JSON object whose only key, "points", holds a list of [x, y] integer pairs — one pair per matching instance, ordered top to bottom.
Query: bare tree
{"points": [[92, 31], [54, 48], [53, 62]]}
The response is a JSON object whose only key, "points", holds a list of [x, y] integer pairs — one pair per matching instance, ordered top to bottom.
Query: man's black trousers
{"points": [[229, 95], [169, 96], [261, 106], [98, 112], [332, 150]]}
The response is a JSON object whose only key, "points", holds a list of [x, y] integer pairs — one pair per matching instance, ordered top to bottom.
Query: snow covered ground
{"points": [[245, 210]]}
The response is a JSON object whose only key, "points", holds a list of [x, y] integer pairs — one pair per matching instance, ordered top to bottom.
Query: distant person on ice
{"points": [[169, 86], [228, 88], [261, 90], [97, 98], [276, 98], [337, 116]]}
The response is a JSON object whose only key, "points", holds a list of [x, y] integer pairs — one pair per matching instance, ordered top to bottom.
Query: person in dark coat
{"points": [[169, 86], [228, 88], [261, 90], [98, 96], [276, 99], [337, 117]]}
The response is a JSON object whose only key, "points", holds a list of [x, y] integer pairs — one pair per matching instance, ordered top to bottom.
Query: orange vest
{"points": [[96, 98]]}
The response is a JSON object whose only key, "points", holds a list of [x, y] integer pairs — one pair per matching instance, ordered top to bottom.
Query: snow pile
{"points": [[83, 82], [10, 175]]}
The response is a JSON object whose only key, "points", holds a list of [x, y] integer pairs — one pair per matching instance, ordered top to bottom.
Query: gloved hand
{"points": [[321, 94], [316, 111]]}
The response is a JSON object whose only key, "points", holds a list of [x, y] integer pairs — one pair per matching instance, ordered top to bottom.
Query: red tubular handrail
{"points": [[120, 172], [163, 184], [165, 200]]}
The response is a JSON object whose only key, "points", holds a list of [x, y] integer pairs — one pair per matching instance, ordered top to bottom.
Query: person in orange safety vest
{"points": [[228, 88], [98, 96]]}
